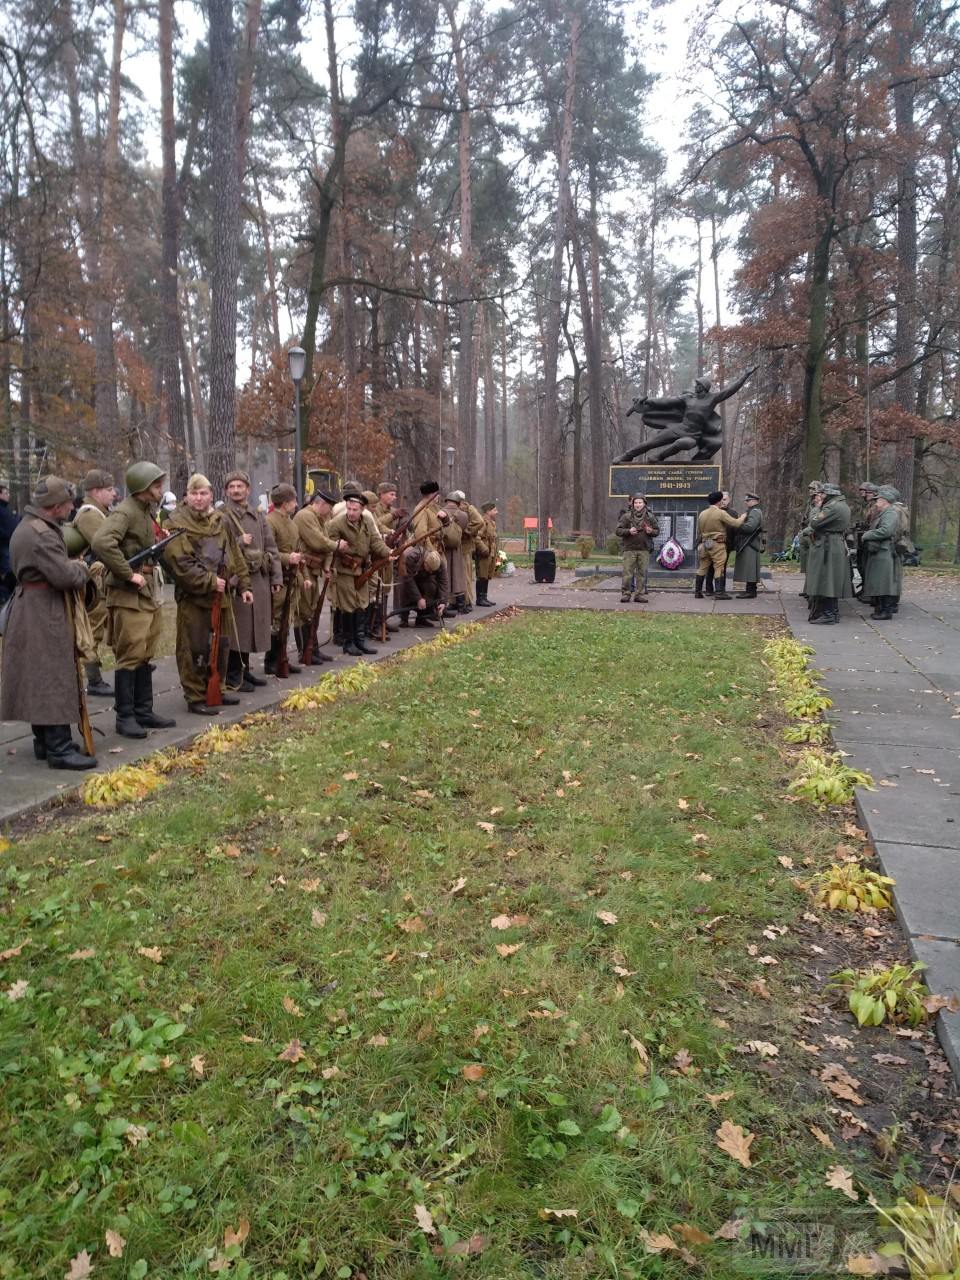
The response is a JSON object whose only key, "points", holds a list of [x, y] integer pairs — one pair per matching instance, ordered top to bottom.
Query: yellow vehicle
{"points": [[321, 478]]}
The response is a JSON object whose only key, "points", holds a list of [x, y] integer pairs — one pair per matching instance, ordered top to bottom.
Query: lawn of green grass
{"points": [[479, 940]]}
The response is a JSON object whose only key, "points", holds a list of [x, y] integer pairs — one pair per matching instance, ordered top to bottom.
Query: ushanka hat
{"points": [[237, 475], [97, 479], [428, 487], [51, 491], [281, 493]]}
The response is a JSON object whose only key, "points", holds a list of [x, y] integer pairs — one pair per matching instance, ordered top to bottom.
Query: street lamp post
{"points": [[297, 364], [450, 452]]}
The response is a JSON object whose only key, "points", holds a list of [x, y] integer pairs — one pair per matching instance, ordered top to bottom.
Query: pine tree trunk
{"points": [[225, 182], [905, 337], [816, 350], [168, 359], [598, 460]]}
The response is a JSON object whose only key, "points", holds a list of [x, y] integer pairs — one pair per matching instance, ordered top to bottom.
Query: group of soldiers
{"points": [[833, 545], [242, 579]]}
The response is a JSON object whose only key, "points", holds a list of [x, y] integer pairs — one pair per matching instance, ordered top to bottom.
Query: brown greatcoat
{"points": [[88, 521], [453, 536], [487, 550], [263, 562], [39, 680]]}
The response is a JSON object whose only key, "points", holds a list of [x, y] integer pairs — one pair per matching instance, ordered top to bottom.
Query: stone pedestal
{"points": [[675, 494]]}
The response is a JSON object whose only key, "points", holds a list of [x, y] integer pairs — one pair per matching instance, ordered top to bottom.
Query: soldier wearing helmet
{"points": [[133, 598]]}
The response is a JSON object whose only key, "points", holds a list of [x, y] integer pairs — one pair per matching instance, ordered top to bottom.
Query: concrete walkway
{"points": [[896, 693]]}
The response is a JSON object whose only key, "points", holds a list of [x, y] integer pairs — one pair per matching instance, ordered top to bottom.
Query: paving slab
{"points": [[886, 699], [934, 729], [928, 888], [943, 978]]}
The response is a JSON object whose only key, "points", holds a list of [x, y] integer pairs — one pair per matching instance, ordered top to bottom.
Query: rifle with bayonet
{"points": [[379, 564], [307, 657], [214, 695]]}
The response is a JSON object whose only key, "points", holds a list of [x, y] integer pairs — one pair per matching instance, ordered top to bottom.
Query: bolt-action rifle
{"points": [[214, 695]]}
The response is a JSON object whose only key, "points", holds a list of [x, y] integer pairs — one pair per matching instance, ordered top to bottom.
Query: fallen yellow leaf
{"points": [[734, 1142]]}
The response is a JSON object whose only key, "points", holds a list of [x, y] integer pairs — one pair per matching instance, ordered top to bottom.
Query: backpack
{"points": [[902, 542], [671, 554]]}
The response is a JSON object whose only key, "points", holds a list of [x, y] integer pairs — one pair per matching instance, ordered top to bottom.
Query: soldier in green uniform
{"points": [[813, 488], [99, 496], [384, 513], [280, 519], [311, 523], [636, 529], [363, 540], [749, 549], [487, 554], [205, 562], [828, 566], [882, 569], [133, 599], [252, 622]]}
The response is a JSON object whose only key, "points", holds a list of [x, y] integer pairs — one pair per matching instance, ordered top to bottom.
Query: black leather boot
{"points": [[698, 587], [720, 588], [749, 593], [464, 605], [886, 609], [829, 613], [348, 630], [340, 631], [359, 637], [285, 640], [270, 659], [248, 675], [97, 687], [124, 689], [143, 701], [40, 742], [61, 753]]}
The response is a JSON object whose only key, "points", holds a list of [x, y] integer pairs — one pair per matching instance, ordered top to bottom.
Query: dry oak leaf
{"points": [[352, 776], [683, 804], [487, 826], [342, 837], [232, 851], [785, 861], [703, 877], [461, 883], [310, 886], [607, 917], [318, 918], [501, 922], [413, 924], [508, 948], [14, 951], [86, 953], [151, 953], [758, 987], [18, 990], [935, 1003], [291, 1006], [378, 1042], [638, 1046], [763, 1048], [292, 1053], [683, 1061], [197, 1064], [473, 1071], [331, 1073], [841, 1084], [719, 1097], [135, 1134], [823, 1138], [734, 1142], [841, 1179], [557, 1213], [424, 1219], [730, 1230], [690, 1233], [236, 1237], [115, 1243], [464, 1248], [219, 1263], [866, 1264], [80, 1267]]}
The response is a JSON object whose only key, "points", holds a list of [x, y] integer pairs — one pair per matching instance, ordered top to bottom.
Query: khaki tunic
{"points": [[386, 518], [88, 521], [427, 521], [713, 523], [453, 535], [287, 539], [314, 542], [365, 542], [468, 546], [487, 550], [205, 551], [253, 621], [133, 623], [39, 682]]}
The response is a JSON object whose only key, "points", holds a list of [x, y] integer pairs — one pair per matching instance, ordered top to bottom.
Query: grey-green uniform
{"points": [[813, 488], [365, 541], [749, 548], [205, 550], [828, 566], [882, 569]]}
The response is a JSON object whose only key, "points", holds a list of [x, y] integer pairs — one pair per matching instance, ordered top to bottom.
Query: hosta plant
{"points": [[804, 704], [813, 731], [823, 778], [120, 786], [851, 887], [883, 995]]}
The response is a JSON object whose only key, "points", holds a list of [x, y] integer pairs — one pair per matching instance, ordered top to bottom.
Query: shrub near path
{"points": [[499, 968]]}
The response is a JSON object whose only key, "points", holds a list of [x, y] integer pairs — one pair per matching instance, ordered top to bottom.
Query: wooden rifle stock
{"points": [[398, 554], [314, 623], [283, 661], [214, 694]]}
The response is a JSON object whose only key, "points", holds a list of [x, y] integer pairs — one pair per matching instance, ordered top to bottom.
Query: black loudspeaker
{"points": [[544, 566]]}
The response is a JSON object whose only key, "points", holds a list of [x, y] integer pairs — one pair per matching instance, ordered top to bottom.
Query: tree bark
{"points": [[225, 181], [553, 303], [905, 338], [168, 362]]}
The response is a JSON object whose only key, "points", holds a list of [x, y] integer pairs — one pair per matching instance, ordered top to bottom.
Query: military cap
{"points": [[141, 475], [237, 475], [97, 479], [198, 481], [815, 485], [868, 485], [388, 486], [428, 487], [351, 489], [51, 491], [832, 491], [895, 491], [281, 493], [888, 493], [354, 495], [370, 496], [715, 496], [751, 497], [328, 498], [488, 506], [431, 561]]}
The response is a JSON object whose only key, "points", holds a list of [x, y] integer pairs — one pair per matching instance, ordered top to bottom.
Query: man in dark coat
{"points": [[749, 549], [828, 567], [882, 571], [251, 630], [40, 680]]}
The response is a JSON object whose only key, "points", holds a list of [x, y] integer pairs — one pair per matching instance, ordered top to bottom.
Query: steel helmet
{"points": [[142, 475], [75, 542]]}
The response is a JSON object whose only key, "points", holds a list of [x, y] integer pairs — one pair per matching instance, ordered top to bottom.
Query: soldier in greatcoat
{"points": [[813, 488], [99, 496], [283, 498], [453, 532], [317, 548], [749, 549], [486, 556], [205, 562], [828, 567], [882, 570], [133, 599], [250, 633], [39, 678]]}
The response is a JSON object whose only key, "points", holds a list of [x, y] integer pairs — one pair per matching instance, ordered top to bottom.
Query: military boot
{"points": [[698, 587], [720, 588], [750, 592], [625, 596], [886, 609], [828, 614], [360, 628], [340, 631], [348, 631], [319, 656], [270, 658], [248, 675], [97, 687], [124, 690], [143, 710], [40, 742], [61, 749]]}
